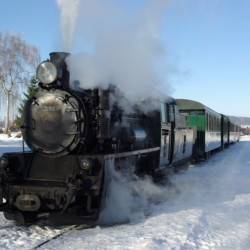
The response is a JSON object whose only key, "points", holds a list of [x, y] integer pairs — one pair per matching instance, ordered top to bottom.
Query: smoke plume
{"points": [[69, 13], [118, 43], [126, 198]]}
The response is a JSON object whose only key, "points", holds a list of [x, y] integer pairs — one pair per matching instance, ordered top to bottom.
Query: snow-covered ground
{"points": [[207, 207]]}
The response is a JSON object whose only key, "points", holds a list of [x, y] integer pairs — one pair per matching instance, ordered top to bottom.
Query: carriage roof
{"points": [[184, 104]]}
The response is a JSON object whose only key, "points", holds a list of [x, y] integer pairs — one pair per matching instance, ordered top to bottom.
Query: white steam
{"points": [[69, 13], [119, 43], [126, 50], [127, 197]]}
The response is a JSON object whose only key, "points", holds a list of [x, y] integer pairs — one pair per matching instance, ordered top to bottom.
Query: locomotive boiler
{"points": [[73, 133]]}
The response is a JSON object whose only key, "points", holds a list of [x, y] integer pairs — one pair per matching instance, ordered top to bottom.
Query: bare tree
{"points": [[17, 58]]}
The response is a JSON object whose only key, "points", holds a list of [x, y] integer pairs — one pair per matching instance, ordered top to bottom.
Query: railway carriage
{"points": [[208, 123], [234, 132], [238, 132]]}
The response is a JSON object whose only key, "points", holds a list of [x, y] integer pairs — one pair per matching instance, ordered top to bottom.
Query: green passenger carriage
{"points": [[208, 124]]}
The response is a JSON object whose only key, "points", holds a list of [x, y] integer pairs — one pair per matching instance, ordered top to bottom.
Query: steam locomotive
{"points": [[73, 134], [76, 134]]}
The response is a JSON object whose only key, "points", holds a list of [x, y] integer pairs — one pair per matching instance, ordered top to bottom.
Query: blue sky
{"points": [[206, 44]]}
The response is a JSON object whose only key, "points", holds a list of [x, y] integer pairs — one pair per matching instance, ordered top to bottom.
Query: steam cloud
{"points": [[69, 13], [119, 43], [126, 197]]}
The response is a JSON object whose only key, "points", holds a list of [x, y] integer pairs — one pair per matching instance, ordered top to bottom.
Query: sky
{"points": [[190, 49]]}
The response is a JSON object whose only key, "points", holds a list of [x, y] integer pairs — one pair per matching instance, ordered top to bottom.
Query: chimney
{"points": [[58, 58]]}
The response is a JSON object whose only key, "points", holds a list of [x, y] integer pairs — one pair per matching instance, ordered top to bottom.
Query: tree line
{"points": [[18, 60], [240, 120]]}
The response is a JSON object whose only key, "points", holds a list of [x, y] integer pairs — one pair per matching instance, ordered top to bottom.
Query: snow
{"points": [[207, 207]]}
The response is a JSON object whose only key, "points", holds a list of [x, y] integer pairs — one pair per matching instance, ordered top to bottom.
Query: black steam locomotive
{"points": [[73, 134]]}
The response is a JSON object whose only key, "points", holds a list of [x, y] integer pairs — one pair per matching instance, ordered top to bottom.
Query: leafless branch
{"points": [[17, 60]]}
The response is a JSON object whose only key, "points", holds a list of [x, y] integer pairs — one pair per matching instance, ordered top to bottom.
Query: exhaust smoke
{"points": [[69, 14], [117, 43], [126, 197]]}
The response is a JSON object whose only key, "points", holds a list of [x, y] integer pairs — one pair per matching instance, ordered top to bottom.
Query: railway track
{"points": [[40, 233], [37, 234], [56, 236]]}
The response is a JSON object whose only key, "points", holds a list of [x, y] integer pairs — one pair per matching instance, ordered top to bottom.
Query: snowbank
{"points": [[207, 207]]}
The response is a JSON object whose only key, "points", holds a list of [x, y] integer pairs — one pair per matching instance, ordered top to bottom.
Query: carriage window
{"points": [[172, 109], [163, 113], [168, 113], [207, 121], [210, 122], [184, 144]]}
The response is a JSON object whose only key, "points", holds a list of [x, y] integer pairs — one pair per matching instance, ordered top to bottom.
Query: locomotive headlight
{"points": [[46, 72], [4, 162], [87, 164]]}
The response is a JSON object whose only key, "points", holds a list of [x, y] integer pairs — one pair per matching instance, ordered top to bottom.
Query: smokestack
{"points": [[59, 59]]}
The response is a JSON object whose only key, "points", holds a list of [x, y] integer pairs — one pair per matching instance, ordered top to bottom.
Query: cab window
{"points": [[163, 113]]}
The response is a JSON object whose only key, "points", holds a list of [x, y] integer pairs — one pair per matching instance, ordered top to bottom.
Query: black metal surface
{"points": [[59, 59], [54, 123], [103, 125], [58, 219]]}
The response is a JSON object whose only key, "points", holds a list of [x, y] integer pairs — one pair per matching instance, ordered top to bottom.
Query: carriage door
{"points": [[165, 130]]}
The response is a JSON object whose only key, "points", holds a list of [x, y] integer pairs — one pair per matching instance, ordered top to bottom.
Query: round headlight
{"points": [[46, 72], [4, 162], [87, 164]]}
